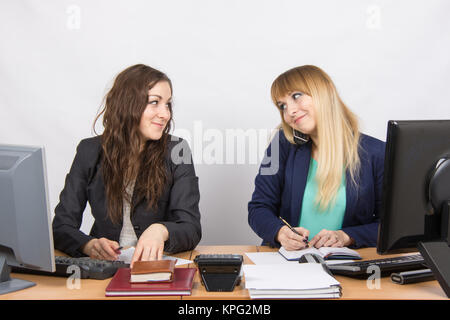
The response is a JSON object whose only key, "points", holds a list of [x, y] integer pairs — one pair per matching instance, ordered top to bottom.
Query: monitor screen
{"points": [[413, 149], [26, 238]]}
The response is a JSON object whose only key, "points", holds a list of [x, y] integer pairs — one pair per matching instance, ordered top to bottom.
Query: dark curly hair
{"points": [[123, 158]]}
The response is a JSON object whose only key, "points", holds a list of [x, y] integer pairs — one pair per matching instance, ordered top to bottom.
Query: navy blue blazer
{"points": [[281, 181]]}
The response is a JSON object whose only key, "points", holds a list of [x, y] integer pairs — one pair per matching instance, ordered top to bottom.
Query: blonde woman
{"points": [[328, 181]]}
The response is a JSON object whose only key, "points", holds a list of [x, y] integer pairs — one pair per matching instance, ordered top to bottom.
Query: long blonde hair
{"points": [[337, 128]]}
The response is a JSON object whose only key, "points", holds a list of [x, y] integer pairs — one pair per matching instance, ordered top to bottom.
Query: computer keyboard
{"points": [[89, 268], [360, 269]]}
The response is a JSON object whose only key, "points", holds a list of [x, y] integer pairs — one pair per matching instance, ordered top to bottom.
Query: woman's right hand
{"points": [[291, 241], [101, 249]]}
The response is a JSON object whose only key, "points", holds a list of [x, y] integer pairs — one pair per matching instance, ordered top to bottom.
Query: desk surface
{"points": [[56, 288]]}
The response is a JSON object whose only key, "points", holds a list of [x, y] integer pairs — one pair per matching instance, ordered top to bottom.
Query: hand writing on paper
{"points": [[329, 238], [292, 241], [150, 245]]}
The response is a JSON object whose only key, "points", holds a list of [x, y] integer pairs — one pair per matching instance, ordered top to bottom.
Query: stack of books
{"points": [[151, 278], [290, 281]]}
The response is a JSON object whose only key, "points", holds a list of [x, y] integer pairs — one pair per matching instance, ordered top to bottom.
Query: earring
{"points": [[299, 138]]}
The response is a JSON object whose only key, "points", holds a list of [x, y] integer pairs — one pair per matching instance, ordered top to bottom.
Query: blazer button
{"points": [[137, 228]]}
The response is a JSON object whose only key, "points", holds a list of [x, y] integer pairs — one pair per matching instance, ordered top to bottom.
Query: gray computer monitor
{"points": [[26, 237]]}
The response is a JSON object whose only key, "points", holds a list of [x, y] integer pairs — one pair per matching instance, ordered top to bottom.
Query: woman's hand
{"points": [[329, 238], [292, 241], [151, 244], [102, 249]]}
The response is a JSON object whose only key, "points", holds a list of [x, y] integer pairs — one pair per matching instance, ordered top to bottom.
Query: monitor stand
{"points": [[437, 253], [8, 284]]}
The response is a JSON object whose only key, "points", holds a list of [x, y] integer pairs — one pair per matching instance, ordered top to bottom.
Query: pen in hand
{"points": [[305, 239]]}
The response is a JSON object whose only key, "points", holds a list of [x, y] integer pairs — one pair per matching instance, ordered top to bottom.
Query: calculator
{"points": [[219, 272]]}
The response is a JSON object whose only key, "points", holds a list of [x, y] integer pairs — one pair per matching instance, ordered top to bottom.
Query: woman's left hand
{"points": [[329, 238], [150, 245]]}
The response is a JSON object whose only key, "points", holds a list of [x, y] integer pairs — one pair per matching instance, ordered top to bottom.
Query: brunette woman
{"points": [[139, 180]]}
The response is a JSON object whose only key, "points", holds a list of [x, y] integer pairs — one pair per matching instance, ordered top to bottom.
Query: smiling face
{"points": [[157, 112], [298, 112]]}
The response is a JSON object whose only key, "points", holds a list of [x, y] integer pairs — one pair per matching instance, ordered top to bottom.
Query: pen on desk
{"points": [[305, 240]]}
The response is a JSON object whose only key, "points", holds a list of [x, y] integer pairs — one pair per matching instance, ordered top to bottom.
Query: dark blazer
{"points": [[279, 191], [178, 207]]}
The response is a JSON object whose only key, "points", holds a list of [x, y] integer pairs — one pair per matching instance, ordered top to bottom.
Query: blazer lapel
{"points": [[302, 159]]}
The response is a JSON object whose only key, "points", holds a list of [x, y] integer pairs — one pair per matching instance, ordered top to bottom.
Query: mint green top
{"points": [[311, 217]]}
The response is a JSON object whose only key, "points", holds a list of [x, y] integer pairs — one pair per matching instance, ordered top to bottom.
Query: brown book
{"points": [[152, 271]]}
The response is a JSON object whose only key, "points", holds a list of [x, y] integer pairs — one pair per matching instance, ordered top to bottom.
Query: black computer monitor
{"points": [[416, 193], [26, 237]]}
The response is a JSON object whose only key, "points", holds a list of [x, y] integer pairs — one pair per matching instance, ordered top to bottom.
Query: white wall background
{"points": [[389, 60]]}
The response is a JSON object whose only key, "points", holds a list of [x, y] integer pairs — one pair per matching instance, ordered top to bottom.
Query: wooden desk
{"points": [[56, 288], [352, 289], [355, 289]]}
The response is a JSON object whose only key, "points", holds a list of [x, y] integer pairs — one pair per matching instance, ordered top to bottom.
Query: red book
{"points": [[181, 285]]}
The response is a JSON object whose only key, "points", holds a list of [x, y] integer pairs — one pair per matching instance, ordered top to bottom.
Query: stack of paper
{"points": [[290, 281]]}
